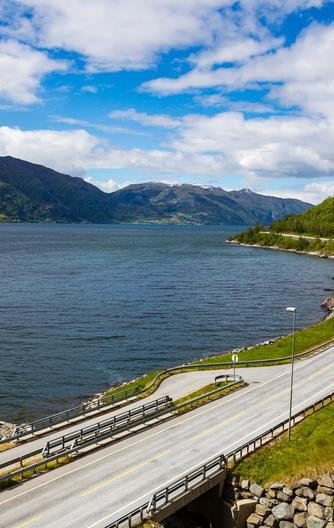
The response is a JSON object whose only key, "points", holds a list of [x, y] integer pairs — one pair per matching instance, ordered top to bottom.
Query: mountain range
{"points": [[34, 193]]}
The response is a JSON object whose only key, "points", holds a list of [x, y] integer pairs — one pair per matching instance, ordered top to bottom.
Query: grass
{"points": [[305, 339], [200, 392], [206, 399], [4, 447], [310, 452], [53, 464]]}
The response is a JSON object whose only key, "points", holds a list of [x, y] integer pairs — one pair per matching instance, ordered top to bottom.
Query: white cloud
{"points": [[126, 34], [21, 69], [303, 74], [217, 100], [155, 120], [76, 151], [105, 185], [314, 192]]}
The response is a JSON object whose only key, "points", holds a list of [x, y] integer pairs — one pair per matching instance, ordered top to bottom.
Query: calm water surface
{"points": [[85, 306]]}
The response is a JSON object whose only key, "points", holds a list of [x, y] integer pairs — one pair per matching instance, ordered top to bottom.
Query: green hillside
{"points": [[318, 221], [314, 226]]}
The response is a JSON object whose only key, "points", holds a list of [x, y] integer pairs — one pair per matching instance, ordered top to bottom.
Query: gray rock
{"points": [[326, 480], [310, 483], [244, 485], [277, 486], [324, 489], [258, 491], [287, 491], [307, 492], [271, 494], [246, 495], [283, 496], [324, 499], [270, 503], [299, 503], [316, 509], [262, 510], [283, 511], [329, 514], [255, 519], [299, 519], [271, 521], [314, 522], [286, 524], [330, 525]]}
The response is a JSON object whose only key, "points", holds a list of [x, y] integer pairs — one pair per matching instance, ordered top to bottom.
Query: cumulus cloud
{"points": [[21, 70], [301, 74], [155, 120], [75, 151]]}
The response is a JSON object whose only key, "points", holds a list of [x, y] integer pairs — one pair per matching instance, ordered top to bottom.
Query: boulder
{"points": [[326, 480], [310, 483], [244, 485], [277, 486], [324, 489], [257, 490], [287, 491], [306, 492], [271, 493], [283, 496], [324, 499], [270, 503], [299, 503], [262, 510], [316, 510], [283, 511], [329, 514], [255, 519], [299, 519], [271, 521], [314, 522], [286, 524], [330, 525]]}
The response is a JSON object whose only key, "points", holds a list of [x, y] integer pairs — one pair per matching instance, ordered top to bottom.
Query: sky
{"points": [[208, 92]]}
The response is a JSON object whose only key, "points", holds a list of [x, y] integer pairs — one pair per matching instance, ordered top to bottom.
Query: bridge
{"points": [[153, 471]]}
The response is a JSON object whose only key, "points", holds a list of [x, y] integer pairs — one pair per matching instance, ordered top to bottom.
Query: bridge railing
{"points": [[135, 392], [211, 467]]}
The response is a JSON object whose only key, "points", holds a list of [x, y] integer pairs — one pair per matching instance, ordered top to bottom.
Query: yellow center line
{"points": [[211, 429], [124, 474], [30, 521]]}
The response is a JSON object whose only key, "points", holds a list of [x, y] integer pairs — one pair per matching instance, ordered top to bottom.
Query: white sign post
{"points": [[235, 360]]}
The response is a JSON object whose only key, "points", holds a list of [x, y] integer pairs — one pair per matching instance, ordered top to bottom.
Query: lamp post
{"points": [[293, 310]]}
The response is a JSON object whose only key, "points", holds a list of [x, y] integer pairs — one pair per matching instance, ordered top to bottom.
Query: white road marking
{"points": [[241, 394]]}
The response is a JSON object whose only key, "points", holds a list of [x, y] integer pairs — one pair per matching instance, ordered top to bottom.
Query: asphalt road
{"points": [[176, 386], [93, 491]]}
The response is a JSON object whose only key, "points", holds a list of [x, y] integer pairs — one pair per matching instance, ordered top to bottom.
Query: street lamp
{"points": [[293, 310]]}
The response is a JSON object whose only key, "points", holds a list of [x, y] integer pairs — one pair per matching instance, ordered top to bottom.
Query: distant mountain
{"points": [[33, 193], [195, 204], [318, 221]]}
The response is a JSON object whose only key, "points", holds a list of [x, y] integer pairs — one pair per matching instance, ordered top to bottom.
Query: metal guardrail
{"points": [[226, 377], [93, 405], [69, 414], [107, 428], [75, 441], [211, 468]]}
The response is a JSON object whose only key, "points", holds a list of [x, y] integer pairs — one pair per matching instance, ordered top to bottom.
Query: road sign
{"points": [[235, 358]]}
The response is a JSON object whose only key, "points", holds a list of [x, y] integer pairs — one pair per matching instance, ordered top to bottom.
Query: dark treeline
{"points": [[318, 221]]}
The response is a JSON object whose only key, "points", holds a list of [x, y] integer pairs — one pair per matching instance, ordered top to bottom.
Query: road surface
{"points": [[99, 488]]}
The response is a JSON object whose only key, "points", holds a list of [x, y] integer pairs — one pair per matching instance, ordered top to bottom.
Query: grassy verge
{"points": [[270, 239], [305, 339], [201, 392], [206, 398], [4, 447], [310, 453], [62, 460]]}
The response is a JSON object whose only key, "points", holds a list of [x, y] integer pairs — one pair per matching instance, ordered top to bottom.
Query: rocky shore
{"points": [[278, 248]]}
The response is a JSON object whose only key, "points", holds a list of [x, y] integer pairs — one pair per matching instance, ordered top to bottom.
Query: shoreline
{"points": [[278, 248]]}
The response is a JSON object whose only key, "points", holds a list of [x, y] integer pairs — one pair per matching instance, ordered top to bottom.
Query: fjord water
{"points": [[85, 306]]}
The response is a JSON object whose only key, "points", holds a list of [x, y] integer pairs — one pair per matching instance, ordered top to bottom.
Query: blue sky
{"points": [[210, 92]]}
